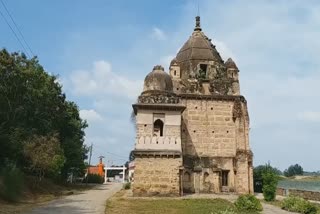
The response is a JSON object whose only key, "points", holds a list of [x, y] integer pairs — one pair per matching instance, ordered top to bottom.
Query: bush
{"points": [[94, 178], [270, 182], [12, 183], [127, 185], [248, 203], [297, 204]]}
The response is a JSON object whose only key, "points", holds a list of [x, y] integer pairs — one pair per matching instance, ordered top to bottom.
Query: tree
{"points": [[32, 104], [45, 155], [293, 170], [258, 171], [270, 182]]}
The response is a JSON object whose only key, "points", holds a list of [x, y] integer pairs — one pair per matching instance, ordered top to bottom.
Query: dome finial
{"points": [[197, 28]]}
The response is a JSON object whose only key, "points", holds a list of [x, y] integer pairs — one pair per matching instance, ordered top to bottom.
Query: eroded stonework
{"points": [[193, 126]]}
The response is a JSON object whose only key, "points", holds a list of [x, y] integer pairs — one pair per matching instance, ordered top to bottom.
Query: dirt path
{"points": [[90, 201], [270, 209]]}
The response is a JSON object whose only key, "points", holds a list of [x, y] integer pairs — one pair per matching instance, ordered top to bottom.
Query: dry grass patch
{"points": [[120, 204]]}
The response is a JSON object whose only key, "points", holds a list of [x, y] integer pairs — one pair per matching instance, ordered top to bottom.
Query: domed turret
{"points": [[198, 49], [173, 62], [230, 64], [158, 80]]}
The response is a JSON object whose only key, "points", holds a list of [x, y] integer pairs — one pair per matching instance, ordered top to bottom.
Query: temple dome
{"points": [[198, 47], [158, 80]]}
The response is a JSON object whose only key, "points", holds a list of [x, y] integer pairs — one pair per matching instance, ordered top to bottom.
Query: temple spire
{"points": [[197, 28]]}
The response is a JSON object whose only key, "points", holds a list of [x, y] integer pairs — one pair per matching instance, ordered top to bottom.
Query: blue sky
{"points": [[102, 51]]}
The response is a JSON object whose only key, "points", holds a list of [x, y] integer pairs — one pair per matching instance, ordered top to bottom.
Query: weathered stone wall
{"points": [[145, 120], [210, 129], [143, 130], [156, 176], [243, 176], [209, 181], [309, 195]]}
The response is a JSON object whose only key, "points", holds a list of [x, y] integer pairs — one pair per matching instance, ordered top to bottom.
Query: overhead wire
{"points": [[15, 24], [14, 33], [120, 157]]}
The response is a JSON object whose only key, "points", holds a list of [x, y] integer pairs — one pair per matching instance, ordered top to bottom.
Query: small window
{"points": [[203, 71], [175, 72], [158, 128], [205, 177], [225, 178]]}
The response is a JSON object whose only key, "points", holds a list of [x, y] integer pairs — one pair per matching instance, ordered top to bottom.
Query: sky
{"points": [[102, 50]]}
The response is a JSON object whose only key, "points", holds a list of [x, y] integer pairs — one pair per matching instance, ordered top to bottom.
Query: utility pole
{"points": [[90, 155]]}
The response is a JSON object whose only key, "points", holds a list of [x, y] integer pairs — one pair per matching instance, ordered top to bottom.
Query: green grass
{"points": [[277, 203], [119, 205]]}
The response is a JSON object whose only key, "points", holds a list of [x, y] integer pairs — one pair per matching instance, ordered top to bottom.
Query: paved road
{"points": [[91, 201]]}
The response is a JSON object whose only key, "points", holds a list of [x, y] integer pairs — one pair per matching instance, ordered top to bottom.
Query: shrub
{"points": [[94, 178], [270, 182], [12, 183], [127, 185], [248, 203], [297, 204]]}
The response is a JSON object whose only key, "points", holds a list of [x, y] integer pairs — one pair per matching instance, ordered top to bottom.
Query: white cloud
{"points": [[158, 34], [224, 50], [277, 53], [100, 80], [90, 115], [312, 116]]}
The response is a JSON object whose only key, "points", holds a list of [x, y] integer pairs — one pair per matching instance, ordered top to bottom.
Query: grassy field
{"points": [[120, 205]]}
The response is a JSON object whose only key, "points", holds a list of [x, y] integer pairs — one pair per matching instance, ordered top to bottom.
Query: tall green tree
{"points": [[32, 103], [293, 170], [258, 171], [270, 181]]}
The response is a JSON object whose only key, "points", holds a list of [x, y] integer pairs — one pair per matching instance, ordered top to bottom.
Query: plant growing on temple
{"points": [[270, 182]]}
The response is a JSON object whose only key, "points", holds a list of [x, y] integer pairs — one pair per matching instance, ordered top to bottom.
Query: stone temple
{"points": [[192, 126]]}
